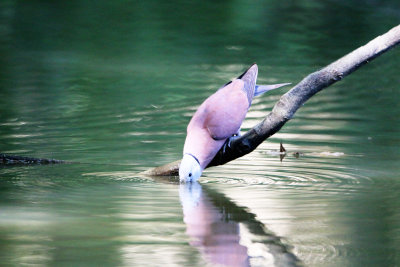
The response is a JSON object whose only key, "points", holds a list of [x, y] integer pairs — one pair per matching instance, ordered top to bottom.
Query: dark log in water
{"points": [[6, 159]]}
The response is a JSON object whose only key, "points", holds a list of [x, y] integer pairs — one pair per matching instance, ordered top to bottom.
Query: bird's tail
{"points": [[261, 89]]}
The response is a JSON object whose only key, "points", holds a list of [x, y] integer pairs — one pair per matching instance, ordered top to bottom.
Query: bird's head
{"points": [[189, 169]]}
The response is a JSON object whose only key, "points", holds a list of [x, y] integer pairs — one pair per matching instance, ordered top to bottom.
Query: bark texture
{"points": [[291, 101]]}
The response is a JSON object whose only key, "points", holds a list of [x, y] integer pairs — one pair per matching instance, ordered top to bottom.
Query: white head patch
{"points": [[189, 170]]}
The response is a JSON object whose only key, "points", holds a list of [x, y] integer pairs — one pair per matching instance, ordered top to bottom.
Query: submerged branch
{"points": [[290, 102], [6, 159]]}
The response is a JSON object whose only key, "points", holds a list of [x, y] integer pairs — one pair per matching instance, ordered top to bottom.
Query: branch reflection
{"points": [[228, 235]]}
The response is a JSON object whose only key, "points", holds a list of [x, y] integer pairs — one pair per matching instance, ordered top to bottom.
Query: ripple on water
{"points": [[321, 171], [303, 200]]}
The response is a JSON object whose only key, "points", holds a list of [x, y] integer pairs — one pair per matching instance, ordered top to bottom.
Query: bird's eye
{"points": [[190, 174]]}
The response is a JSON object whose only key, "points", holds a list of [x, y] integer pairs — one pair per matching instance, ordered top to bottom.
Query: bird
{"points": [[216, 120]]}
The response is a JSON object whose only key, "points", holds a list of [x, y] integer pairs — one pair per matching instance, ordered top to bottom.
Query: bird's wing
{"points": [[249, 78]]}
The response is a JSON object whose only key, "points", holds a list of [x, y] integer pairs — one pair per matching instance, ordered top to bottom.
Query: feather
{"points": [[261, 89]]}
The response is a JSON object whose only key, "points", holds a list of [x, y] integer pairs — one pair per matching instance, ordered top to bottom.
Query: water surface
{"points": [[112, 86]]}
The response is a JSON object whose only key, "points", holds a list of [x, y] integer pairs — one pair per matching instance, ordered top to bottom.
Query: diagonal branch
{"points": [[290, 102]]}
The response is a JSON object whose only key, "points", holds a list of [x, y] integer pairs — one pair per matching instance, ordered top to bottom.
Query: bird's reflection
{"points": [[226, 234], [216, 238]]}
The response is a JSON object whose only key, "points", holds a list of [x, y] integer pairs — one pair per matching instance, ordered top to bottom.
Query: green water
{"points": [[113, 84]]}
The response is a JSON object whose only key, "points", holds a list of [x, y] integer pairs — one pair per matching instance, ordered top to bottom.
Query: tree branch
{"points": [[290, 102]]}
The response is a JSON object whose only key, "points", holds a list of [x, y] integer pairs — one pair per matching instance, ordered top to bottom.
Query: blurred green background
{"points": [[113, 84]]}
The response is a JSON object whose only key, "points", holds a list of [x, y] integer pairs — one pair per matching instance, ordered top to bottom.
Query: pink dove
{"points": [[217, 119]]}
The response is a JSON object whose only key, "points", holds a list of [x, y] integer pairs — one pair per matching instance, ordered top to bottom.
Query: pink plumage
{"points": [[218, 118]]}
